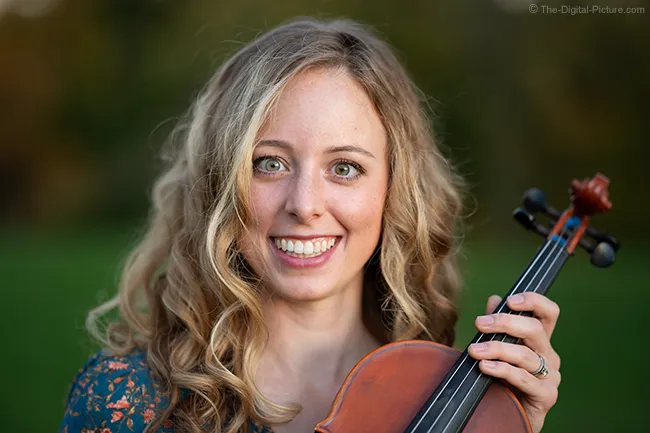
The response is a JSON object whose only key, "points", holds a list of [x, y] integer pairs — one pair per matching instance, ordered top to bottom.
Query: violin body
{"points": [[387, 388]]}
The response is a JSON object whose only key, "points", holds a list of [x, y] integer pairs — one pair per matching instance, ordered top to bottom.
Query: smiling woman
{"points": [[309, 191], [307, 218]]}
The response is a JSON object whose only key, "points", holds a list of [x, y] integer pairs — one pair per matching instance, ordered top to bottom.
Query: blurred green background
{"points": [[89, 90]]}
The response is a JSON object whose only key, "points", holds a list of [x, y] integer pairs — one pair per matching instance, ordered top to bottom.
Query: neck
{"points": [[323, 339], [314, 343], [311, 348]]}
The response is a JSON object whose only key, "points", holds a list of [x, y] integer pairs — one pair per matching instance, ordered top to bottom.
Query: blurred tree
{"points": [[90, 91]]}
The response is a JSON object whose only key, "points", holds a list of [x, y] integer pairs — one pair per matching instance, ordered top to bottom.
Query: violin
{"points": [[425, 387]]}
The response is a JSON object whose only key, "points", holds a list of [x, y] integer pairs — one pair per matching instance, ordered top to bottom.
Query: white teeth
{"points": [[305, 248]]}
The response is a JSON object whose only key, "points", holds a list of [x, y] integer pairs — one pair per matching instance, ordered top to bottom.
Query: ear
{"points": [[492, 303]]}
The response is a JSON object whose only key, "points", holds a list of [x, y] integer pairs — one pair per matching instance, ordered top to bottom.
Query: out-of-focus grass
{"points": [[50, 282]]}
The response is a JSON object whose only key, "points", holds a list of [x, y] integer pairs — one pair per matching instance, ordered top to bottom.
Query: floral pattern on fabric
{"points": [[114, 394]]}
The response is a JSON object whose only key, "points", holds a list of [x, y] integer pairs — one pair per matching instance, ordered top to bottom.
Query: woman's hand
{"points": [[515, 363]]}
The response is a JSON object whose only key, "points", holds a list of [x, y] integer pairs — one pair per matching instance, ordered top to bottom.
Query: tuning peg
{"points": [[534, 200], [528, 221], [604, 238], [603, 255]]}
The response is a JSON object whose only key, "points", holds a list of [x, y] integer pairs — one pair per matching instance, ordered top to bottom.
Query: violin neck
{"points": [[451, 405]]}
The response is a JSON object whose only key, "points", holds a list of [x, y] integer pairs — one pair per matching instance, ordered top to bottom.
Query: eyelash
{"points": [[361, 170]]}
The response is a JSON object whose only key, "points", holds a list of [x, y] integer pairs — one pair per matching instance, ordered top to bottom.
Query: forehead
{"points": [[325, 107]]}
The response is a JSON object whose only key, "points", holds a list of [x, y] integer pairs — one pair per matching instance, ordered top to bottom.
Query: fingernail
{"points": [[516, 299], [485, 320], [479, 347], [489, 364]]}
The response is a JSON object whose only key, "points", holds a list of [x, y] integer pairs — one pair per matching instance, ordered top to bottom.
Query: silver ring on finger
{"points": [[542, 370]]}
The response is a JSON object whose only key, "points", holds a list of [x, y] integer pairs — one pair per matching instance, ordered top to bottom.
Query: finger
{"points": [[492, 304], [542, 307], [529, 329], [515, 354], [543, 392]]}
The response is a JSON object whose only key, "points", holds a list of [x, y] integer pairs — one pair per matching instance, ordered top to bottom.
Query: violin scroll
{"points": [[588, 197]]}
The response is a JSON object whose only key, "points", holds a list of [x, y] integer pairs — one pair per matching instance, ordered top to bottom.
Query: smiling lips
{"points": [[305, 248]]}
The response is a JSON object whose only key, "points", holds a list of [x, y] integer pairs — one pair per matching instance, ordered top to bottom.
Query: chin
{"points": [[305, 292]]}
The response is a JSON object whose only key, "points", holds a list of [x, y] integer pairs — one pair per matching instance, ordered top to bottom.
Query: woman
{"points": [[307, 218]]}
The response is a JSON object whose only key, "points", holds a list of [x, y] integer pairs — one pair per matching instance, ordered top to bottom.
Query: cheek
{"points": [[264, 206], [363, 213]]}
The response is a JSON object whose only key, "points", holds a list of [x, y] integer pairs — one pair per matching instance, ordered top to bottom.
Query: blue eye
{"points": [[267, 164], [270, 165]]}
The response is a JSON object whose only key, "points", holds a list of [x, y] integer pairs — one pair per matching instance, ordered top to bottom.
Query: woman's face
{"points": [[318, 188]]}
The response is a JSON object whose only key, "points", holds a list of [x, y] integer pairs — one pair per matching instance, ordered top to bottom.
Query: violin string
{"points": [[558, 243], [514, 290], [465, 356]]}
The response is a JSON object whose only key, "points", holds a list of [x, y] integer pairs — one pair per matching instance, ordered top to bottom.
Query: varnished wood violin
{"points": [[425, 387]]}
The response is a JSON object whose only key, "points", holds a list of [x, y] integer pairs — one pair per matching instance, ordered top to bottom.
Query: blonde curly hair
{"points": [[189, 298]]}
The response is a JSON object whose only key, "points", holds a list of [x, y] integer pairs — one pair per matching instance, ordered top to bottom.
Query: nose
{"points": [[305, 198]]}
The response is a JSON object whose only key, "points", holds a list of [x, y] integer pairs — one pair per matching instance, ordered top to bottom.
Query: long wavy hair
{"points": [[188, 297]]}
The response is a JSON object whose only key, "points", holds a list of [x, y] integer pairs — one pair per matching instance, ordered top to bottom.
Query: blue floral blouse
{"points": [[117, 394]]}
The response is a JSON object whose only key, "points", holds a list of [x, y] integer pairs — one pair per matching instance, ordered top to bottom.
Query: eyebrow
{"points": [[333, 149]]}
